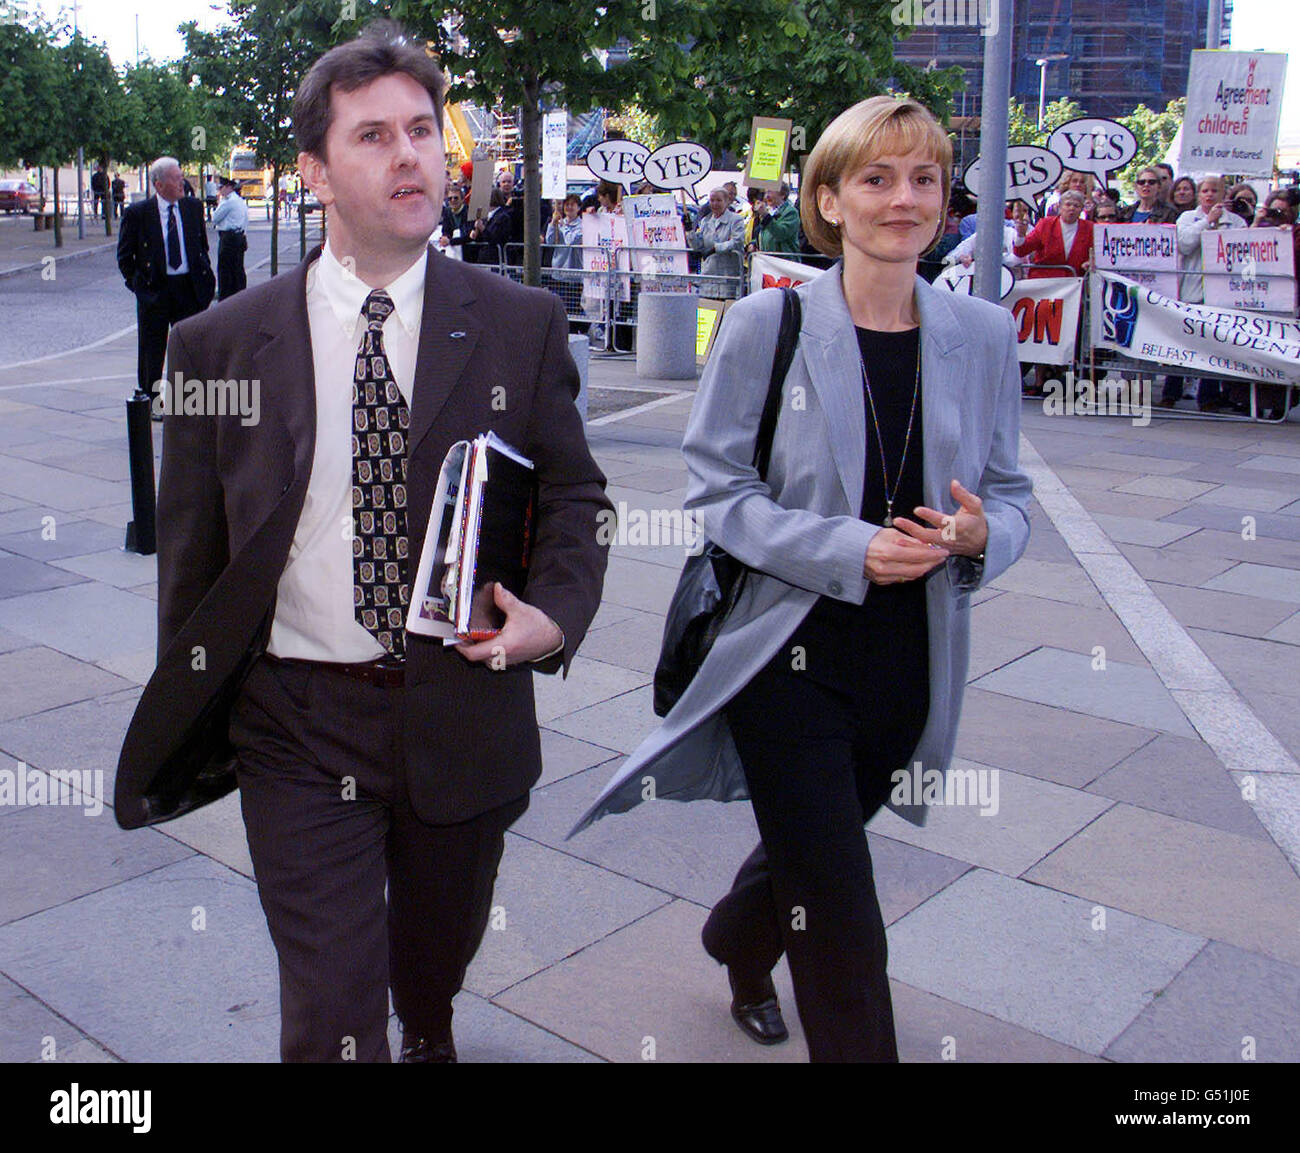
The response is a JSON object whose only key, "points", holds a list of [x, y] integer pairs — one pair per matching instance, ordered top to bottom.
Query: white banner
{"points": [[1234, 104], [555, 146], [604, 234], [656, 239], [1146, 253], [1255, 268], [767, 271], [1046, 311], [1196, 338]]}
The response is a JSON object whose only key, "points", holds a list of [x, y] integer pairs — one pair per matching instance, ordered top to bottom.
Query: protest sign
{"points": [[1234, 105], [555, 143], [1091, 144], [769, 146], [619, 162], [681, 164], [1030, 170], [604, 235], [656, 240], [1146, 253], [1249, 268], [768, 271], [960, 278], [708, 317], [1196, 338]]}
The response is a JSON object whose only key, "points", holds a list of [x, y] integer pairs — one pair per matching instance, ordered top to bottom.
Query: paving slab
{"points": [[1129, 461], [1170, 487], [57, 489], [1243, 499], [1115, 502], [1271, 526], [1137, 530], [72, 537], [1209, 542], [115, 567], [1171, 567], [20, 576], [1052, 581], [1268, 582], [640, 584], [1222, 611], [76, 620], [1061, 625], [1287, 632], [631, 644], [990, 650], [1253, 666], [38, 678], [589, 682], [1118, 692], [621, 723], [83, 736], [1049, 743], [562, 756], [1183, 779], [1027, 819], [217, 831], [61, 852], [1205, 881], [547, 905], [1024, 954], [145, 982], [650, 983], [1226, 999], [932, 1029], [29, 1032]]}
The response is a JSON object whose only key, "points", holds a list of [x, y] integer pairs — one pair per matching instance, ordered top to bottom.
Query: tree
{"points": [[250, 72], [1022, 130], [1155, 132]]}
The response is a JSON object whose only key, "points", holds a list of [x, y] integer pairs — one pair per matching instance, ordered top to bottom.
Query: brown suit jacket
{"points": [[230, 496]]}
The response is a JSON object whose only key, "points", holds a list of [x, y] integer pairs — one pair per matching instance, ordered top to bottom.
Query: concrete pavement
{"points": [[1132, 679]]}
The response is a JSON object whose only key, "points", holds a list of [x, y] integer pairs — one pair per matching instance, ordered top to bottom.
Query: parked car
{"points": [[18, 196], [307, 202]]}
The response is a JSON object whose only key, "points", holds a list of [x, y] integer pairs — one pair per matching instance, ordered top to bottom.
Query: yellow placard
{"points": [[769, 145], [707, 315]]}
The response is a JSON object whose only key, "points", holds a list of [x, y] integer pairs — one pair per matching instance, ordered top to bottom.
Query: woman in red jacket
{"points": [[1062, 239]]}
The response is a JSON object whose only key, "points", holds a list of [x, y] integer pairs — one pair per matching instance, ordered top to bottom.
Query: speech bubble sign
{"points": [[1091, 144], [619, 162], [681, 164], [1030, 171], [959, 278]]}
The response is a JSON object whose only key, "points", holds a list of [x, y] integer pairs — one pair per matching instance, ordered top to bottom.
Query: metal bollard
{"points": [[141, 536]]}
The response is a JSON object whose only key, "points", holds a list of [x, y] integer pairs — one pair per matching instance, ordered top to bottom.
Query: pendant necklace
{"points": [[907, 440]]}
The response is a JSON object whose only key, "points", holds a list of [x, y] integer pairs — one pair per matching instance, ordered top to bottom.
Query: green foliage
{"points": [[31, 91], [636, 124], [1022, 124], [1155, 131]]}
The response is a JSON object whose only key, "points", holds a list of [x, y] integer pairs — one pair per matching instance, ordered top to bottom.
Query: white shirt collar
{"points": [[345, 293]]}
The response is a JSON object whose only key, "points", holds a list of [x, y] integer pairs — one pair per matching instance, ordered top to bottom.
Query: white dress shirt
{"points": [[163, 207], [231, 214], [314, 615]]}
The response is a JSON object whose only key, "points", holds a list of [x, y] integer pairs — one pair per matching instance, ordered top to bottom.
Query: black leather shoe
{"points": [[758, 1013], [417, 1050]]}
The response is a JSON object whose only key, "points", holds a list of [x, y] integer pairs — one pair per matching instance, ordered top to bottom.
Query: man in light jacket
{"points": [[720, 238]]}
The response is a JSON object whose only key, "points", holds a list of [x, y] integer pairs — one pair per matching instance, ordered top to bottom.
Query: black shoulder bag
{"points": [[712, 579]]}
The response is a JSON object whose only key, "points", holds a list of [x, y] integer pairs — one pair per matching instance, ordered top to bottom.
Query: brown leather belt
{"points": [[386, 672]]}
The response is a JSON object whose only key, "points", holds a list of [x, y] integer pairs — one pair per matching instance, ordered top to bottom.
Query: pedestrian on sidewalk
{"points": [[119, 194], [231, 220], [162, 253], [893, 492], [378, 771]]}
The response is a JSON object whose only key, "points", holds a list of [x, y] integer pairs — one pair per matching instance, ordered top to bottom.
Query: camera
{"points": [[1243, 208]]}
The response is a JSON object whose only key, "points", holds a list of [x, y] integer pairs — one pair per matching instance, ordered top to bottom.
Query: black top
{"points": [[888, 631]]}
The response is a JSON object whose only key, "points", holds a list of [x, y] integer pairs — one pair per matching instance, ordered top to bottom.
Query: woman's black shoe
{"points": [[757, 1011], [417, 1050]]}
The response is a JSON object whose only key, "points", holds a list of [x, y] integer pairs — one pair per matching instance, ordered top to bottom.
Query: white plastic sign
{"points": [[1030, 171]]}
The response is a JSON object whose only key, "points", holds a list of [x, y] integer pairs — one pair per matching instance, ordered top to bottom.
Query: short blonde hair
{"points": [[879, 126], [1069, 176]]}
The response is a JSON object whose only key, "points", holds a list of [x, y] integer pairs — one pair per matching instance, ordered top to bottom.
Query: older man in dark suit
{"points": [[162, 252], [366, 757]]}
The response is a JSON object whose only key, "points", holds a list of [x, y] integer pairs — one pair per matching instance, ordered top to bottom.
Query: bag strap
{"points": [[787, 339]]}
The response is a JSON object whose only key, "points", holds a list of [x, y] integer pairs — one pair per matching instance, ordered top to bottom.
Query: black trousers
{"points": [[230, 263], [154, 318], [820, 730], [322, 783]]}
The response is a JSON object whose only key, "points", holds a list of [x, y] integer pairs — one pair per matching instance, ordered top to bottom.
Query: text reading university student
{"points": [[892, 493], [364, 756]]}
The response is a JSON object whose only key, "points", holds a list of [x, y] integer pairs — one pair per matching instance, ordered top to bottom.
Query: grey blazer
{"points": [[801, 531]]}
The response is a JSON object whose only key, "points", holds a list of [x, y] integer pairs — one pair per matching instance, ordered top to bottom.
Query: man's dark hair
{"points": [[381, 50], [1167, 167]]}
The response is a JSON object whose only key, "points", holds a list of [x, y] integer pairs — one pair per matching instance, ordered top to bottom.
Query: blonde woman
{"points": [[892, 493]]}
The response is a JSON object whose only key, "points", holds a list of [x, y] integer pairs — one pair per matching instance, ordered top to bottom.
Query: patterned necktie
{"points": [[173, 239], [380, 420]]}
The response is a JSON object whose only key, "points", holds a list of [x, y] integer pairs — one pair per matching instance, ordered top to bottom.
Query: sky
{"points": [[1270, 25]]}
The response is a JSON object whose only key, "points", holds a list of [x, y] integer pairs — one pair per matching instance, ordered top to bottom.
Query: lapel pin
{"points": [[456, 335]]}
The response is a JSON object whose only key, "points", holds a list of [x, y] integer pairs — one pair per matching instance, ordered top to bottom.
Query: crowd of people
{"points": [[1060, 242]]}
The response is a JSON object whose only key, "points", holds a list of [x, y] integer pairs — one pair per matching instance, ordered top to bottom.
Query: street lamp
{"points": [[1043, 62]]}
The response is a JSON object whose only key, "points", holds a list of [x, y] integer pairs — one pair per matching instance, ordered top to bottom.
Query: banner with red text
{"points": [[1234, 105]]}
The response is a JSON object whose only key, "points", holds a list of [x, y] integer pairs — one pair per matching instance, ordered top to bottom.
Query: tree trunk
{"points": [[532, 129], [275, 217], [58, 220]]}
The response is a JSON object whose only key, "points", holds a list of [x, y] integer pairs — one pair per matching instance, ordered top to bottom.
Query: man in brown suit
{"points": [[365, 756]]}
